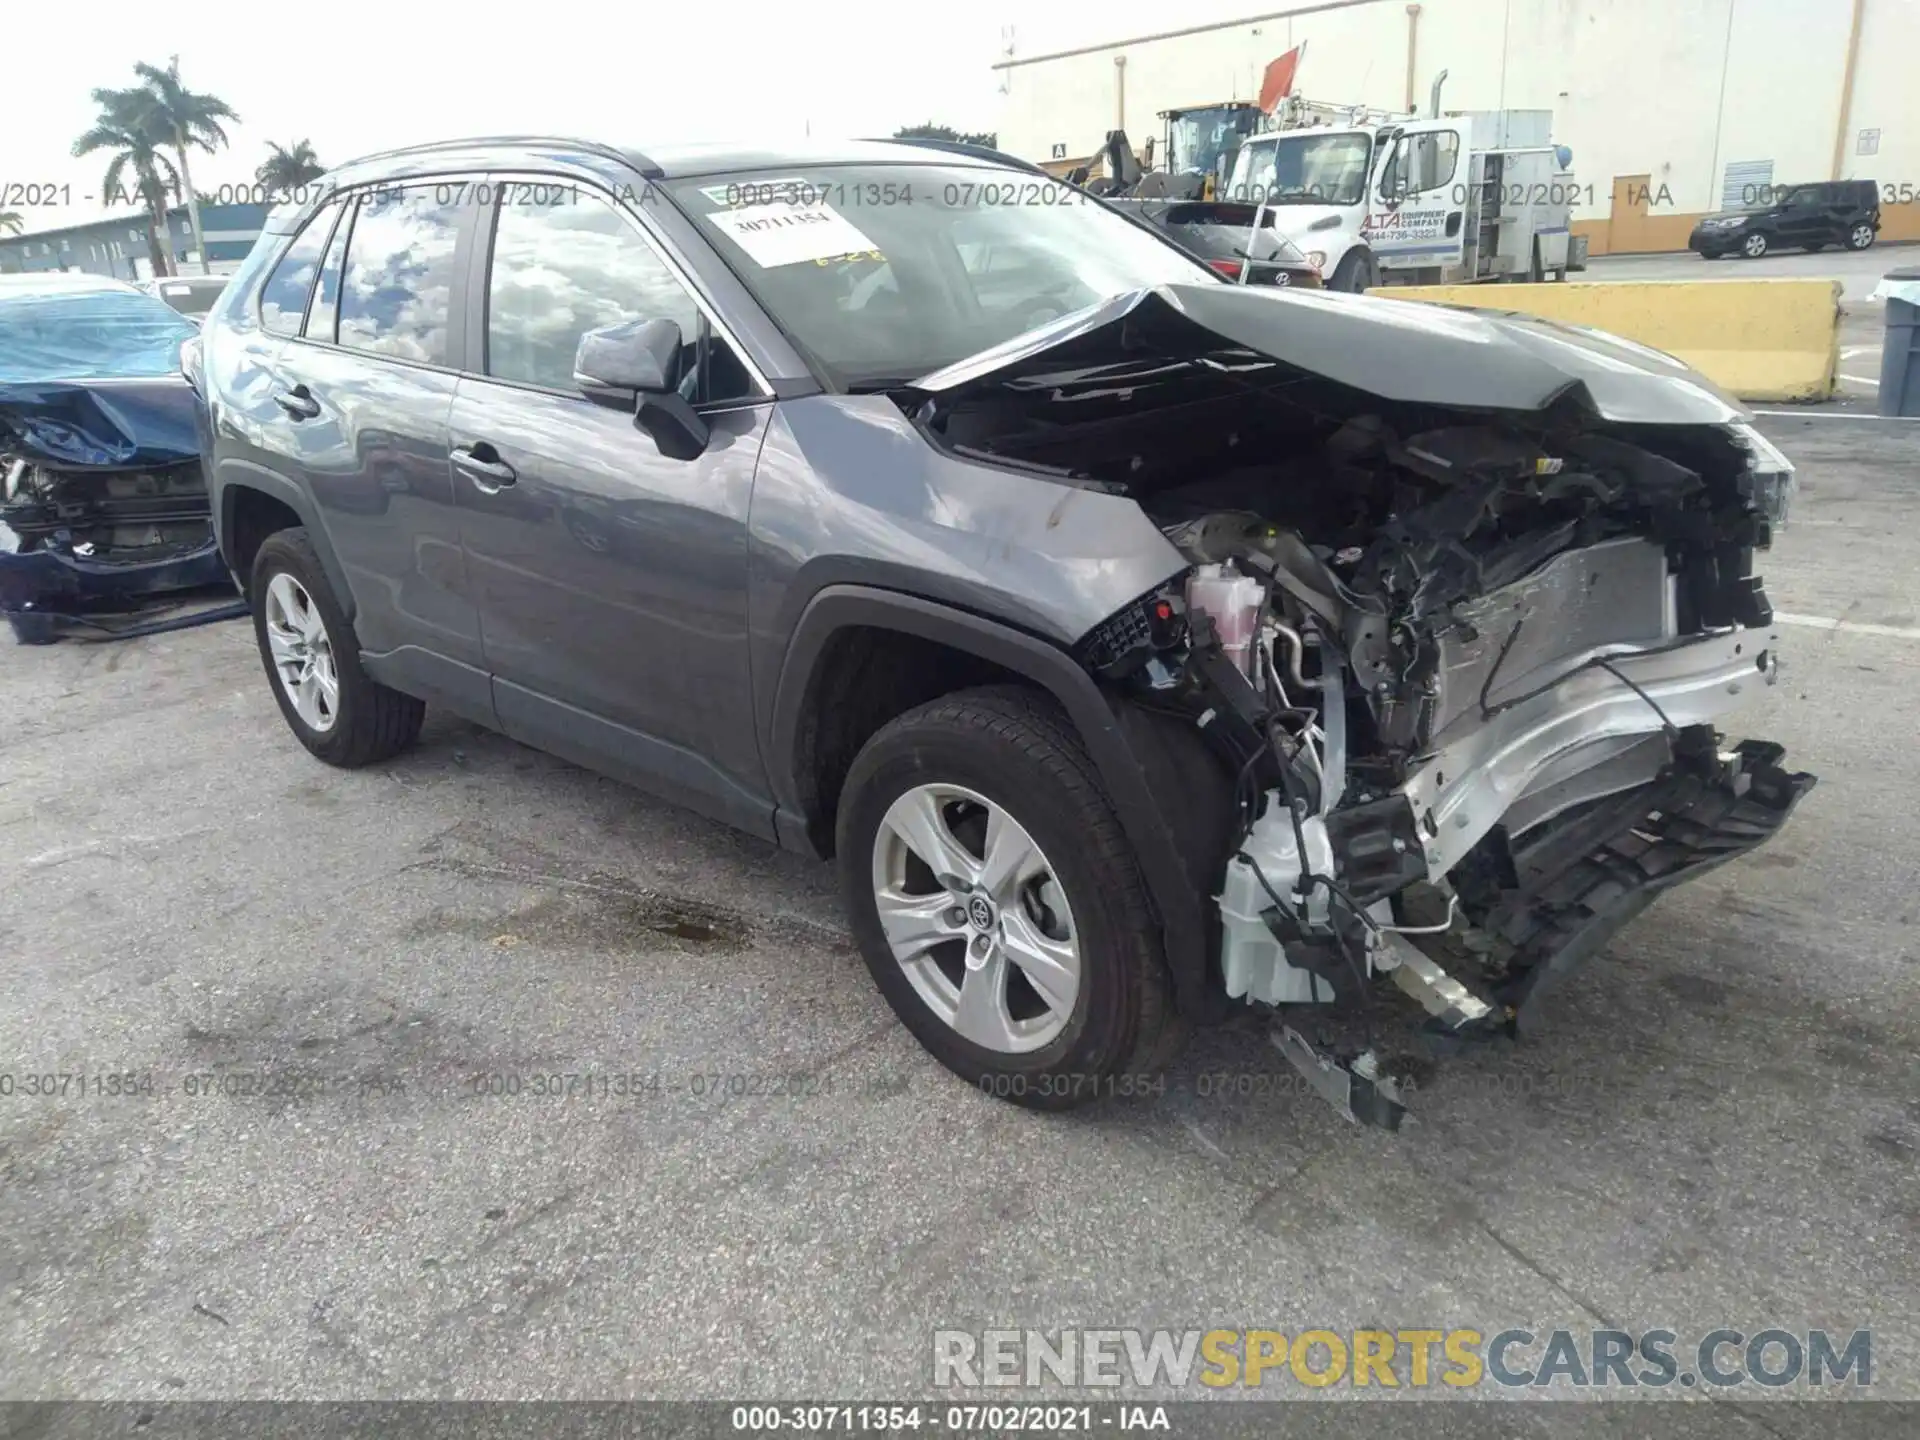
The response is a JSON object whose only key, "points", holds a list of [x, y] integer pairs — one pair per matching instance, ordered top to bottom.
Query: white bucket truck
{"points": [[1380, 199]]}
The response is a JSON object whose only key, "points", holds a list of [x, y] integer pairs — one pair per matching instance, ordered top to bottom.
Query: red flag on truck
{"points": [[1277, 83]]}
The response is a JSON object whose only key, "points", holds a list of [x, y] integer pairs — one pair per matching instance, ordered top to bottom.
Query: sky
{"points": [[379, 73]]}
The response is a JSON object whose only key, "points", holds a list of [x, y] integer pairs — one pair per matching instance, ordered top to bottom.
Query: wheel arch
{"points": [[1360, 253], [247, 492], [805, 821]]}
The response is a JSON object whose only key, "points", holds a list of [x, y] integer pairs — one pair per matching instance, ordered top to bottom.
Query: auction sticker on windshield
{"points": [[774, 235]]}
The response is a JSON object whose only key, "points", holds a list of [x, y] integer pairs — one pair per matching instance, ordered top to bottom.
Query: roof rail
{"points": [[963, 147], [610, 152]]}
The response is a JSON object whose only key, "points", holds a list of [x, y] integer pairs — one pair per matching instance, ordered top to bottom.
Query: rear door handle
{"points": [[297, 402], [482, 464]]}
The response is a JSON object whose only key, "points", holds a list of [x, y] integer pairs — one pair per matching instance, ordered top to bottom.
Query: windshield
{"points": [[1198, 138], [1303, 168], [1216, 229], [1223, 241], [887, 272], [89, 335]]}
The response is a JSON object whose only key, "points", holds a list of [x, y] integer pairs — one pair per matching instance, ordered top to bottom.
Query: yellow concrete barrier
{"points": [[1758, 339]]}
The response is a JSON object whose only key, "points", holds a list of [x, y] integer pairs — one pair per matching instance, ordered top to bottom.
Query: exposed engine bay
{"points": [[103, 505], [112, 517], [1462, 667]]}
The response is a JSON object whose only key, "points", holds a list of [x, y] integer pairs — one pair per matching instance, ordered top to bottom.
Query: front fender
{"points": [[1097, 717]]}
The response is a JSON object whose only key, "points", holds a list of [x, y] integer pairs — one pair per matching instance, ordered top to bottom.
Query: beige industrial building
{"points": [[1672, 108]]}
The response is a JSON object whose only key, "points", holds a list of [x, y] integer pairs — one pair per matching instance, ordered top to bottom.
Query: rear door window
{"points": [[396, 289], [283, 299]]}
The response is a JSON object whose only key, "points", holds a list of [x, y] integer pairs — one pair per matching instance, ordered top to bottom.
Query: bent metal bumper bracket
{"points": [[1483, 764], [1356, 1088]]}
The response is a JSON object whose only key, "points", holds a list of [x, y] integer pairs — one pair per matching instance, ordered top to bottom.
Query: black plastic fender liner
{"points": [[1178, 903]]}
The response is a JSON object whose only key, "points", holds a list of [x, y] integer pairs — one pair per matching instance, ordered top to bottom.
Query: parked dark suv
{"points": [[1794, 217], [1143, 647]]}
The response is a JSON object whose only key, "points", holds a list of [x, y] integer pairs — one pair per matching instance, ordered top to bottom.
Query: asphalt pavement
{"points": [[331, 980]]}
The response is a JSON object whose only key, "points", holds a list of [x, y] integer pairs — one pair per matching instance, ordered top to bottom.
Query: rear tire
{"points": [[1355, 272], [362, 722], [984, 768]]}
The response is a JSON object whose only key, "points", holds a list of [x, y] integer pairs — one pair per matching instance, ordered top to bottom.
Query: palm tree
{"points": [[189, 121], [123, 126], [285, 170], [11, 223]]}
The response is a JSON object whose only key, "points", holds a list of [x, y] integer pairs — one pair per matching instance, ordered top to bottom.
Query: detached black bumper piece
{"points": [[1583, 880]]}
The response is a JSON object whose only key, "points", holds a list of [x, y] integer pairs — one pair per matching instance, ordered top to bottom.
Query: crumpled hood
{"points": [[1400, 350], [99, 424]]}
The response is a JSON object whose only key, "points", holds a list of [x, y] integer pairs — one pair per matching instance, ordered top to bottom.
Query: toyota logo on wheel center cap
{"points": [[980, 913]]}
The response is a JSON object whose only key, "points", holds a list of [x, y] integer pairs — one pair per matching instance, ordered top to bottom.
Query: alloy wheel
{"points": [[1861, 237], [1755, 246], [302, 651], [976, 917]]}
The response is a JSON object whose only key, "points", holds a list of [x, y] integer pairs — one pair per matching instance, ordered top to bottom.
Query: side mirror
{"points": [[634, 357], [636, 365]]}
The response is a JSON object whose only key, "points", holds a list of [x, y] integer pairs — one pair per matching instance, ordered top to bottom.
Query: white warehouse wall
{"points": [[1671, 89]]}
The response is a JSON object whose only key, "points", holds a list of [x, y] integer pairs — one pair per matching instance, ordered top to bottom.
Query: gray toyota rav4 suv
{"points": [[1142, 647]]}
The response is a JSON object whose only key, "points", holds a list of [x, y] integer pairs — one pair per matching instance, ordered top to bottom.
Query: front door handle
{"points": [[297, 402], [482, 464]]}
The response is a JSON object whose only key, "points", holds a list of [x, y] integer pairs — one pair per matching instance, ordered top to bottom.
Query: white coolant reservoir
{"points": [[1233, 602]]}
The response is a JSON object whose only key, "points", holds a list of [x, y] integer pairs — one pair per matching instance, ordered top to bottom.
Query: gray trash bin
{"points": [[1900, 353]]}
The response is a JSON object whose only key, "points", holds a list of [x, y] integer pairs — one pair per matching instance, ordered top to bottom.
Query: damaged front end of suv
{"points": [[103, 503], [1465, 600]]}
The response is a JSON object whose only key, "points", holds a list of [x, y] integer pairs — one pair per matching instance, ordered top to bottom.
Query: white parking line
{"points": [[1853, 350], [1861, 380], [1852, 627]]}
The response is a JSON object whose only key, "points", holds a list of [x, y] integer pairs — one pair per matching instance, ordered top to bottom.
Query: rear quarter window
{"points": [[283, 299]]}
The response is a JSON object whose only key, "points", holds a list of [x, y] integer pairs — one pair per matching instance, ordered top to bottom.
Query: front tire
{"points": [[1860, 237], [1754, 246], [1355, 272], [312, 660], [997, 902]]}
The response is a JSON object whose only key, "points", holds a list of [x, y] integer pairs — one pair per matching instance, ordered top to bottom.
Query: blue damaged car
{"points": [[104, 504]]}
